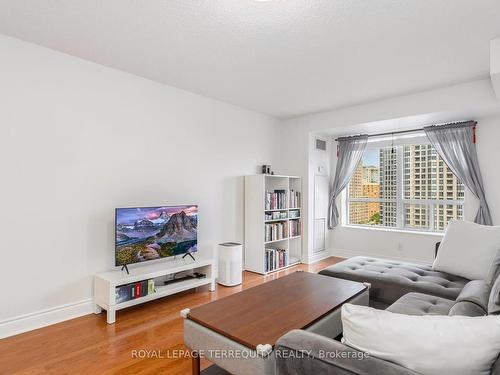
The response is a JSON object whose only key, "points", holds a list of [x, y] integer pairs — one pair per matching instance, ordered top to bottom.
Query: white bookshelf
{"points": [[256, 242]]}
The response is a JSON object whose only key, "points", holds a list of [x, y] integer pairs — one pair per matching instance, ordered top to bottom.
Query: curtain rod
{"points": [[404, 131]]}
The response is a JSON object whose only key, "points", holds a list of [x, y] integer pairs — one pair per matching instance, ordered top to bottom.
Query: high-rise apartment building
{"points": [[371, 175], [427, 177], [356, 184], [388, 186], [362, 187], [372, 190], [358, 212]]}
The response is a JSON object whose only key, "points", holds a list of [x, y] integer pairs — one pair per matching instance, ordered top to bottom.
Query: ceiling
{"points": [[284, 57]]}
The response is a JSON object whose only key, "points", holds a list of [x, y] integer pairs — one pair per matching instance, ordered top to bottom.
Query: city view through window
{"points": [[405, 187]]}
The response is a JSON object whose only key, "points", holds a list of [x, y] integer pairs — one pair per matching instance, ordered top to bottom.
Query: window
{"points": [[404, 187]]}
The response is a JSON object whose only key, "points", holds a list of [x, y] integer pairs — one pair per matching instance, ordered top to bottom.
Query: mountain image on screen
{"points": [[148, 233]]}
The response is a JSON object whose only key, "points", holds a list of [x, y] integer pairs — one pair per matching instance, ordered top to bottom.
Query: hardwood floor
{"points": [[142, 341]]}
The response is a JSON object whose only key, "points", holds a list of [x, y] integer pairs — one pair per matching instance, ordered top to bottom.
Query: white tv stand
{"points": [[106, 282]]}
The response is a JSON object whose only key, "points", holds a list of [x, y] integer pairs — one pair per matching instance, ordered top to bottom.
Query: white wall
{"points": [[472, 100], [79, 139]]}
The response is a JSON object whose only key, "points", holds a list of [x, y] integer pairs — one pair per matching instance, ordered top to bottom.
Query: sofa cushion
{"points": [[468, 249], [494, 271], [390, 279], [476, 292], [494, 298], [421, 304], [466, 308], [427, 344]]}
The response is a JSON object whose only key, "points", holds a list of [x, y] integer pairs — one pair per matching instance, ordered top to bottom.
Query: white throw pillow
{"points": [[467, 250], [430, 344]]}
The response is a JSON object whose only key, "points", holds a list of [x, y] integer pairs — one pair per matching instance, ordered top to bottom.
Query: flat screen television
{"points": [[149, 233]]}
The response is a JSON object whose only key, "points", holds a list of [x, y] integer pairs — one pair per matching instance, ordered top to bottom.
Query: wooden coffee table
{"points": [[248, 324]]}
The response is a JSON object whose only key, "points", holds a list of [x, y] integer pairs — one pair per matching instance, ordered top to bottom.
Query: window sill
{"points": [[395, 230]]}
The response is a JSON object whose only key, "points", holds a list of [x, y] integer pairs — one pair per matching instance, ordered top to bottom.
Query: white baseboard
{"points": [[344, 253], [317, 257], [39, 319]]}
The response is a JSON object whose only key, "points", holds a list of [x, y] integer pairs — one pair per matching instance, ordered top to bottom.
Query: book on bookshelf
{"points": [[294, 199], [275, 200], [294, 214], [276, 215], [295, 228], [276, 231], [275, 258], [151, 286], [144, 288], [124, 293]]}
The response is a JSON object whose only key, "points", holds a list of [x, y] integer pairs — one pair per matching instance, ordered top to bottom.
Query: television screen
{"points": [[148, 233]]}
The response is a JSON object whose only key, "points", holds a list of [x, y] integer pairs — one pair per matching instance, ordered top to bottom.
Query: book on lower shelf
{"points": [[295, 228], [276, 231], [275, 258], [127, 292]]}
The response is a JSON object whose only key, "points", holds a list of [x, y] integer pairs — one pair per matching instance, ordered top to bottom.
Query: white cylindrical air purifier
{"points": [[230, 264]]}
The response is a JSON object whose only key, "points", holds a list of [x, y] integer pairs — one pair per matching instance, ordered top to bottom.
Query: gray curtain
{"points": [[455, 144], [350, 151]]}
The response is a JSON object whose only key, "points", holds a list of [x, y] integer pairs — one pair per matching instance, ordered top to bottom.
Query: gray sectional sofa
{"points": [[390, 280], [399, 287]]}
